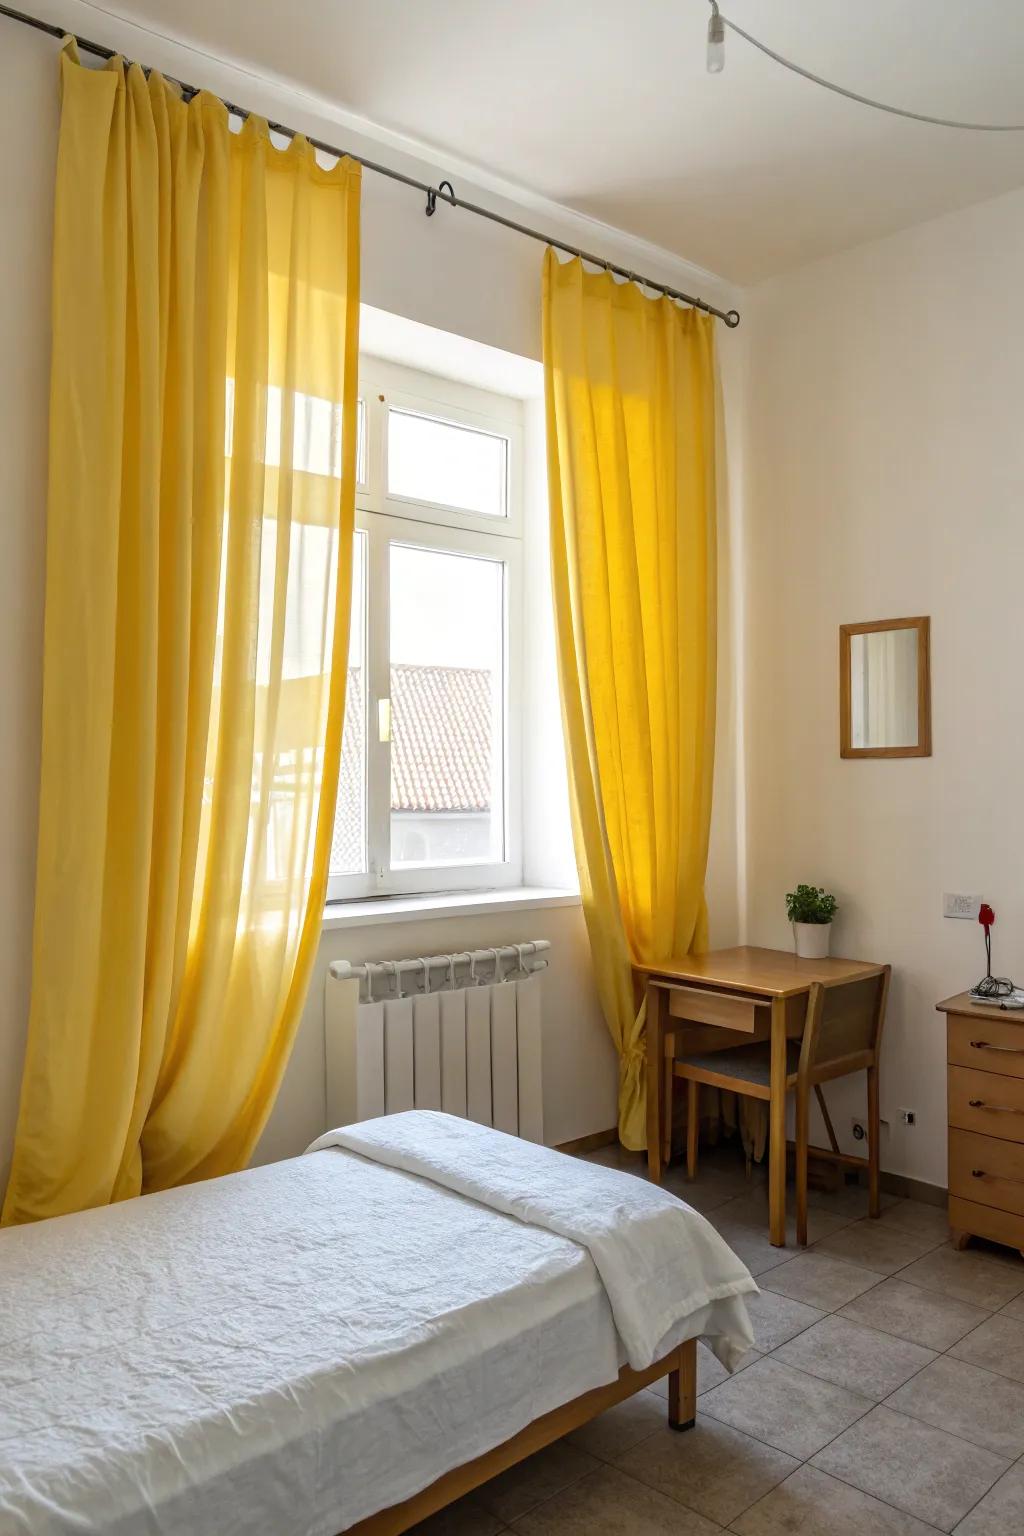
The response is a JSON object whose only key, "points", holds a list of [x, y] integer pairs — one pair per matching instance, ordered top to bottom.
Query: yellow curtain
{"points": [[630, 387], [200, 516]]}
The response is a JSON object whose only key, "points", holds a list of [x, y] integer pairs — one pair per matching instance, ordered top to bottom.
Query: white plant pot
{"points": [[812, 940]]}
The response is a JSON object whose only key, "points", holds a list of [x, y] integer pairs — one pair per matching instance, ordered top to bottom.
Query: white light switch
{"points": [[956, 905]]}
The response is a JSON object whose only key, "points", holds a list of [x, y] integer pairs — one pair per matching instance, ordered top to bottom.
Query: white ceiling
{"points": [[605, 105]]}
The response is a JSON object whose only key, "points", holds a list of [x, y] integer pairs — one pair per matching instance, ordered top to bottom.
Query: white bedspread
{"points": [[660, 1261], [284, 1351]]}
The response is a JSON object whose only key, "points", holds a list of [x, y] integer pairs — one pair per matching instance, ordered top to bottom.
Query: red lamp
{"points": [[992, 989]]}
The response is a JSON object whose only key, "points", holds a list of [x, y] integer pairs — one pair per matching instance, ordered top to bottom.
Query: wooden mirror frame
{"points": [[924, 692]]}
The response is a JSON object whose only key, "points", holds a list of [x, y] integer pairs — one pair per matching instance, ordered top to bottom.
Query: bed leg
{"points": [[682, 1388]]}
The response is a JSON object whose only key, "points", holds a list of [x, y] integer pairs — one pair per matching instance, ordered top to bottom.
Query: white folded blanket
{"points": [[667, 1272]]}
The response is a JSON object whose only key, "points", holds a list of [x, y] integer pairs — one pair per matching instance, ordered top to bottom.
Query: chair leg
{"points": [[666, 1116], [692, 1127], [874, 1134], [802, 1139]]}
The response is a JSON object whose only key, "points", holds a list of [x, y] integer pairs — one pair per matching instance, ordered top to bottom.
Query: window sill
{"points": [[406, 909]]}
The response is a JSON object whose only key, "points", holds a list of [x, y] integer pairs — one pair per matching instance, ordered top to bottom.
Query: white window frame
{"points": [[385, 519]]}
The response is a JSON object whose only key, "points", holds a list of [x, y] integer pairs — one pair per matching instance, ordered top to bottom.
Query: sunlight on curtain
{"points": [[630, 385], [200, 524]]}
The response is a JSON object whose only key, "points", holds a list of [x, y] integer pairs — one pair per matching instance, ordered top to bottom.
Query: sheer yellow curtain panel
{"points": [[630, 391], [199, 548]]}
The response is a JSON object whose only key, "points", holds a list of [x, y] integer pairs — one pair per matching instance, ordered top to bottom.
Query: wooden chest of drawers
{"points": [[985, 1055]]}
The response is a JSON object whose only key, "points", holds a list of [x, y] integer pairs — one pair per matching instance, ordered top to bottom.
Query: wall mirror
{"points": [[884, 689]]}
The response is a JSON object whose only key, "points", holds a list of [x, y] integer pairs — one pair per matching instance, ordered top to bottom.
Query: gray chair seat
{"points": [[750, 1063]]}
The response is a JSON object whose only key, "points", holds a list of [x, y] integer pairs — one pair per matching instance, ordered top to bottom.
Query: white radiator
{"points": [[459, 1032]]}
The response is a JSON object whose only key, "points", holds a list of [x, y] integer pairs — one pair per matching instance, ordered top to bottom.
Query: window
{"points": [[428, 793]]}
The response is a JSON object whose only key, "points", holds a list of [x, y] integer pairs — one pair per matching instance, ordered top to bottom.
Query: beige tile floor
{"points": [[885, 1396]]}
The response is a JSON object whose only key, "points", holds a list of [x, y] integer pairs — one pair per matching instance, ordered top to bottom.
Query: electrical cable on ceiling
{"points": [[716, 63]]}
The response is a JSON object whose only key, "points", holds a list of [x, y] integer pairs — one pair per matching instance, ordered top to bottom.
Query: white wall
{"points": [[454, 272], [884, 474]]}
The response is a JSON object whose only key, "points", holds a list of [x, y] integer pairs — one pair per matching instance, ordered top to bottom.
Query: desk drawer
{"points": [[745, 1014], [987, 1045], [987, 1103], [987, 1171]]}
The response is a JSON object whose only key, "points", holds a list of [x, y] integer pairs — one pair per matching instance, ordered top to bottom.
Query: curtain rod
{"points": [[434, 195]]}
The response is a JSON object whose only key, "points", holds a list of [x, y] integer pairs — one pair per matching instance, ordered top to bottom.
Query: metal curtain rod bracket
{"points": [[433, 194]]}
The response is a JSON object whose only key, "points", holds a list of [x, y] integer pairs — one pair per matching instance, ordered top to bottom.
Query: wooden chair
{"points": [[842, 1034]]}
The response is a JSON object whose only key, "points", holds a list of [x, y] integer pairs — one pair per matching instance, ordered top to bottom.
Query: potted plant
{"points": [[811, 911]]}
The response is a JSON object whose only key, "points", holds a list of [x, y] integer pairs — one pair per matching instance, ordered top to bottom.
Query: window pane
{"points": [[316, 432], [451, 465], [447, 708], [348, 847]]}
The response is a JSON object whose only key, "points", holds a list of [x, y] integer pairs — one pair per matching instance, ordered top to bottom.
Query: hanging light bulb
{"points": [[716, 41]]}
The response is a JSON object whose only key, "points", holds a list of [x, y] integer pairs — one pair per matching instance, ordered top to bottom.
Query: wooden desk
{"points": [[730, 997], [985, 1055]]}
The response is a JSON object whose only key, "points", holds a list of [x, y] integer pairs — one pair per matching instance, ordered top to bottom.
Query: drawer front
{"points": [[728, 1012], [683, 1038], [987, 1045], [986, 1102], [987, 1171], [983, 1221]]}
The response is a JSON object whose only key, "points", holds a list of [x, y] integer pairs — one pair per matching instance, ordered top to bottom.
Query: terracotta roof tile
{"points": [[440, 752]]}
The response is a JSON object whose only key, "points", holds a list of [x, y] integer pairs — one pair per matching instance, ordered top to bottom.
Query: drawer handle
{"points": [[1006, 1050], [999, 1109], [979, 1173]]}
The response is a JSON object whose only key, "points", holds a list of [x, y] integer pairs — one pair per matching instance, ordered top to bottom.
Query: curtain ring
{"points": [[426, 977], [498, 977]]}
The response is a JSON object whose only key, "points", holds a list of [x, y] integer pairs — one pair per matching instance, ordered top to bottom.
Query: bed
{"points": [[345, 1341]]}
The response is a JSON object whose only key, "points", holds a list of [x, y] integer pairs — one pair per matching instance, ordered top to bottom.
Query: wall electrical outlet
{"points": [[956, 905], [908, 1116]]}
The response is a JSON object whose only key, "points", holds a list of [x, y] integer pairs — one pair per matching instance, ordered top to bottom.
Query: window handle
{"points": [[383, 720]]}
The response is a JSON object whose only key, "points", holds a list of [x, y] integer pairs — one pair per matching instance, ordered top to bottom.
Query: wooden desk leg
{"points": [[654, 1070], [777, 1128]]}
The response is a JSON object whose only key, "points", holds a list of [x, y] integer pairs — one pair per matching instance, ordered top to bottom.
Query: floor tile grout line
{"points": [[896, 1274], [828, 1311], [988, 1312], [890, 1333], [990, 1368], [876, 1402], [910, 1414], [656, 1433], [969, 1445], [802, 1459], [809, 1460], [572, 1482], [650, 1487], [862, 1491], [897, 1507], [690, 1508], [967, 1513]]}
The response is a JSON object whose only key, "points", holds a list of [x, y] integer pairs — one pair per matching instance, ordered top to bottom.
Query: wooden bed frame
{"points": [[681, 1369]]}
